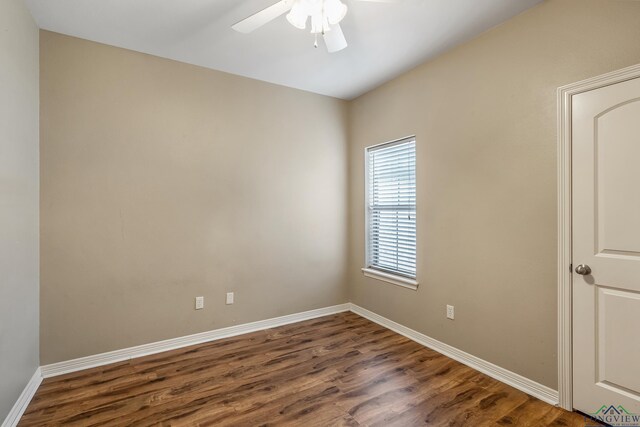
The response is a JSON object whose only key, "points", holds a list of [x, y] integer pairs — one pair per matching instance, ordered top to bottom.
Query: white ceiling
{"points": [[385, 39]]}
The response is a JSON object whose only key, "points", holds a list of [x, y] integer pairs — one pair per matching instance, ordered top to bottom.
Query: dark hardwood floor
{"points": [[339, 370]]}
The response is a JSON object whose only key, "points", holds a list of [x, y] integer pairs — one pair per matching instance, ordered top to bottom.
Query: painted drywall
{"points": [[484, 115], [162, 181], [18, 201]]}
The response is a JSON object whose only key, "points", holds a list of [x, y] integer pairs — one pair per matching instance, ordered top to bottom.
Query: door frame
{"points": [[565, 327]]}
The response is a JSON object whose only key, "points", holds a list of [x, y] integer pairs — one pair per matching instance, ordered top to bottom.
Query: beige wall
{"points": [[485, 119], [163, 181], [18, 201]]}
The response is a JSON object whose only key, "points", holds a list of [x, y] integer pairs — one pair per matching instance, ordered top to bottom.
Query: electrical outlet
{"points": [[229, 298], [199, 303], [450, 312]]}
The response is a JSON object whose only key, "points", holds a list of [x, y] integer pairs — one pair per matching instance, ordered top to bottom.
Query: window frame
{"points": [[388, 276]]}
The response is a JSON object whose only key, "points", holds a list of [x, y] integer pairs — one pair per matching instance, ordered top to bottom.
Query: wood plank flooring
{"points": [[339, 370]]}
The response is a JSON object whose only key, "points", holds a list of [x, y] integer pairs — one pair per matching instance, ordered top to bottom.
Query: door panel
{"points": [[617, 132], [606, 236], [617, 314]]}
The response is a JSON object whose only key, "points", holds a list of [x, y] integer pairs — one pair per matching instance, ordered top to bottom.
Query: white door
{"points": [[606, 238]]}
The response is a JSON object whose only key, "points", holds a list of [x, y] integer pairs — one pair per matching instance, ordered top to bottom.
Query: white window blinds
{"points": [[391, 210]]}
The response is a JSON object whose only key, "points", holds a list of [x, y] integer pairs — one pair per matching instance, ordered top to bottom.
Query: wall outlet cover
{"points": [[230, 298], [199, 303], [450, 313]]}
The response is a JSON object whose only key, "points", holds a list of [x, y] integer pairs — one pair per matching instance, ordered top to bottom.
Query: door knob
{"points": [[583, 269]]}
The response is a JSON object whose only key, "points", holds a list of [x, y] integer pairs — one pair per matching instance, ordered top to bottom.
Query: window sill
{"points": [[391, 278]]}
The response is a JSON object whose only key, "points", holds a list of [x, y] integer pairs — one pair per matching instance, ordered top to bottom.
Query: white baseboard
{"points": [[101, 359], [526, 385], [23, 401]]}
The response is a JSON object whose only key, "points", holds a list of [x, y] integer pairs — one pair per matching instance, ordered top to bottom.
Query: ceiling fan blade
{"points": [[266, 15], [334, 39]]}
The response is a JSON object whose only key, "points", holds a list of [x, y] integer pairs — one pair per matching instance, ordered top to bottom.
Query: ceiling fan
{"points": [[325, 18]]}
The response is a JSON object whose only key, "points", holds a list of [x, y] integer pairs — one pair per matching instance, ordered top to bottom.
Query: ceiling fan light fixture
{"points": [[335, 11], [323, 13], [298, 15], [325, 16], [319, 24]]}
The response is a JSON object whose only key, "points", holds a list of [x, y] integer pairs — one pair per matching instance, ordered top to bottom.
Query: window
{"points": [[391, 212]]}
